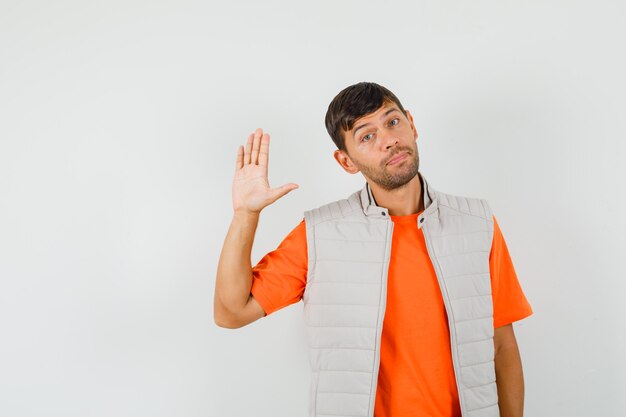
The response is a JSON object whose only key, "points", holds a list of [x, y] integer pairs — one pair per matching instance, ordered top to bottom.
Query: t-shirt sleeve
{"points": [[279, 278], [509, 302]]}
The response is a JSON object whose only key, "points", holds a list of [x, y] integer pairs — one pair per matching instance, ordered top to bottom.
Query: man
{"points": [[409, 293]]}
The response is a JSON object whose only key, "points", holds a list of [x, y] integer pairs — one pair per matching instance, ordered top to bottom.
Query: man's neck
{"points": [[400, 201]]}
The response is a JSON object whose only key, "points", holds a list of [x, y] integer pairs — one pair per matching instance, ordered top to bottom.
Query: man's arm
{"points": [[234, 275], [233, 304], [509, 375]]}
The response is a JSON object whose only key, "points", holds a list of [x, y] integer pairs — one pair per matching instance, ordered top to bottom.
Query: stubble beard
{"points": [[400, 176]]}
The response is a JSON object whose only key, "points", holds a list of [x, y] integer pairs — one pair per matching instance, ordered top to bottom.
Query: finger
{"points": [[257, 134], [246, 152], [264, 152], [254, 157], [239, 162], [278, 192]]}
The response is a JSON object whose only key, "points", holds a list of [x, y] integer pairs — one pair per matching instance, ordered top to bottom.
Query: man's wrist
{"points": [[246, 215]]}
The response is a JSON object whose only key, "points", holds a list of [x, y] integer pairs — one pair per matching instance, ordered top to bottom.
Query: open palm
{"points": [[251, 188]]}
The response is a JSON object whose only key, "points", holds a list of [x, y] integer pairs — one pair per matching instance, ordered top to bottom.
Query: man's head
{"points": [[370, 129]]}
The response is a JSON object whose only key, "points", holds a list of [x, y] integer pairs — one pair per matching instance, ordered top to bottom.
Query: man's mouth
{"points": [[400, 157]]}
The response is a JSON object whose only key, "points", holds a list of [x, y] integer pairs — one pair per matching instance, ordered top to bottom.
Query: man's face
{"points": [[374, 142]]}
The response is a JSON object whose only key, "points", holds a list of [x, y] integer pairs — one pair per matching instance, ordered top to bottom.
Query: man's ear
{"points": [[410, 117], [345, 162]]}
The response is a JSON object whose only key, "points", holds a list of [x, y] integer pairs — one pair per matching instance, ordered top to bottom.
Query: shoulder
{"points": [[472, 206], [335, 210]]}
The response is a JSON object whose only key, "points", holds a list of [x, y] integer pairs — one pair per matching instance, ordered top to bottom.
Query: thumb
{"points": [[278, 192]]}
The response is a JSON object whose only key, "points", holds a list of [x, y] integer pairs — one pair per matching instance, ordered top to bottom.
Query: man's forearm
{"points": [[234, 270], [510, 381]]}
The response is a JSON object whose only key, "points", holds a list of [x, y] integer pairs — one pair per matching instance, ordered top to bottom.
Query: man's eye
{"points": [[395, 120], [366, 137]]}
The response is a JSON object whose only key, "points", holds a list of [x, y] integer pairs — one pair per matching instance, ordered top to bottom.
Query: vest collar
{"points": [[372, 210]]}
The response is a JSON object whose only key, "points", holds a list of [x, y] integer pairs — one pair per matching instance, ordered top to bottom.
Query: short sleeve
{"points": [[279, 278], [509, 302]]}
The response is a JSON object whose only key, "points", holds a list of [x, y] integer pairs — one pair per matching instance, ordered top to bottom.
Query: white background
{"points": [[119, 125]]}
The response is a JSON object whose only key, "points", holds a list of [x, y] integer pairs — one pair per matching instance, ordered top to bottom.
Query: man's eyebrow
{"points": [[367, 124]]}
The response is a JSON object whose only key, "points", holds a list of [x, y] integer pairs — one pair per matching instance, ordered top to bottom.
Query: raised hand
{"points": [[251, 189]]}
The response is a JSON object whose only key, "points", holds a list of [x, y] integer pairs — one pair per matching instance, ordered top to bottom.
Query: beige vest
{"points": [[349, 244]]}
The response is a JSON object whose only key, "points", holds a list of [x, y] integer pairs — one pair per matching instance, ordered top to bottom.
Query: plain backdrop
{"points": [[119, 125]]}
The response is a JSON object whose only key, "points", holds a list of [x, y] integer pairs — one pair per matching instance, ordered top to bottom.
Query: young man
{"points": [[409, 293]]}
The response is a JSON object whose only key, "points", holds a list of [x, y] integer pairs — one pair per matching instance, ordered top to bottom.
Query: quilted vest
{"points": [[349, 245]]}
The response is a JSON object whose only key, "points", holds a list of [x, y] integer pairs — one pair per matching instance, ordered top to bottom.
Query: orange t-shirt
{"points": [[416, 375]]}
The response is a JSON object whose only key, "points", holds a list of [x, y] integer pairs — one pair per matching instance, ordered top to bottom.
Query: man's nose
{"points": [[389, 139]]}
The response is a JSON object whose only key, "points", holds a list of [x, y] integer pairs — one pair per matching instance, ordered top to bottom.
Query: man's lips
{"points": [[397, 158]]}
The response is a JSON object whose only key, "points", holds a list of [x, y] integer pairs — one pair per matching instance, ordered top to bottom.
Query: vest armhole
{"points": [[488, 211], [310, 221]]}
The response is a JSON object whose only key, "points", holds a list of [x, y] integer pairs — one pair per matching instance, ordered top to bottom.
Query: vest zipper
{"points": [[382, 315], [451, 326]]}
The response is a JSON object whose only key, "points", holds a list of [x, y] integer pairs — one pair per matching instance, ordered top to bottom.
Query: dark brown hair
{"points": [[352, 103]]}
